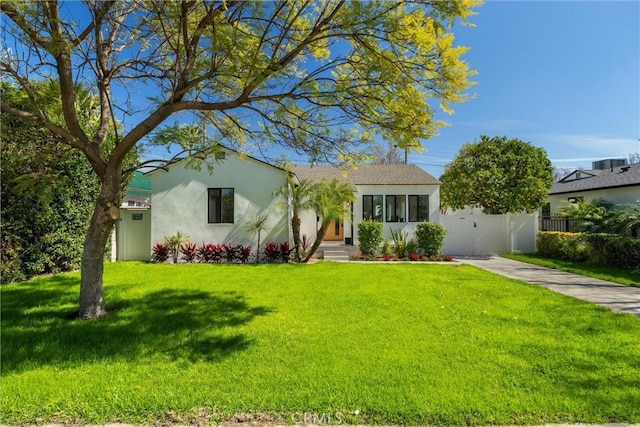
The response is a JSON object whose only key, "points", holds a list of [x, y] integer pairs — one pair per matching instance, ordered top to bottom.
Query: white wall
{"points": [[613, 195], [180, 201], [309, 226], [472, 233]]}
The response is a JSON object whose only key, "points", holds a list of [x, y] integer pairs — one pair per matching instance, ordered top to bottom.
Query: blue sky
{"points": [[564, 76]]}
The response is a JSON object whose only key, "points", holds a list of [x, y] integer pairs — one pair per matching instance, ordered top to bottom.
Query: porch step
{"points": [[336, 256]]}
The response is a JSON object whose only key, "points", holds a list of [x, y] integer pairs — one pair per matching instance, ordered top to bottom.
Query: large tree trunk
{"points": [[105, 214], [319, 239]]}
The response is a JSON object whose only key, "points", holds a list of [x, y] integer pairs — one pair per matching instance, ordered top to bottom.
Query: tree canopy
{"points": [[321, 78], [498, 174]]}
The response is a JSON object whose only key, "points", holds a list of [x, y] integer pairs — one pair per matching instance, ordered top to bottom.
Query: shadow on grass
{"points": [[168, 325]]}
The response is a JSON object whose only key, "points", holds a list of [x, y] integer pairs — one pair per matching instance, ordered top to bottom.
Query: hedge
{"points": [[604, 249]]}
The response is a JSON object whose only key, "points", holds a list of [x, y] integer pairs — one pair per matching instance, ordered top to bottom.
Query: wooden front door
{"points": [[335, 231]]}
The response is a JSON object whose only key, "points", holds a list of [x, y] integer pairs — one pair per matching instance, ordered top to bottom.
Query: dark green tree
{"points": [[498, 174], [48, 194]]}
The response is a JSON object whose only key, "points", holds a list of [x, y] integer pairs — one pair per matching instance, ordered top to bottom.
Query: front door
{"points": [[335, 231]]}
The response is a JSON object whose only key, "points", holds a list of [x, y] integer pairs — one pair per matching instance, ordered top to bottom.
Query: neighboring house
{"points": [[612, 180], [138, 193], [399, 196]]}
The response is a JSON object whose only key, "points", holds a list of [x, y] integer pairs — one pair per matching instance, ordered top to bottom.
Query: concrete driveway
{"points": [[619, 298]]}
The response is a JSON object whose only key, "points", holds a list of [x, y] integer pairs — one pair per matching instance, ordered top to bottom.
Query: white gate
{"points": [[472, 233], [133, 234]]}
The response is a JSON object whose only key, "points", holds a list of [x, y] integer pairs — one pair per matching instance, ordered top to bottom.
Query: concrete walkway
{"points": [[619, 298]]}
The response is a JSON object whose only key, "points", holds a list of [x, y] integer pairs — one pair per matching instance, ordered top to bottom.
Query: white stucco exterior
{"points": [[615, 196], [180, 201], [309, 224]]}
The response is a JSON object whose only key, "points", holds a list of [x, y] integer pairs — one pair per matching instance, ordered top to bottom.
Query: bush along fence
{"points": [[427, 244], [599, 248], [189, 252]]}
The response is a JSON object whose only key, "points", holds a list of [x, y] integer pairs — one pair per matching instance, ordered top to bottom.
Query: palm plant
{"points": [[298, 198], [330, 200], [590, 216], [625, 221], [257, 225], [174, 241]]}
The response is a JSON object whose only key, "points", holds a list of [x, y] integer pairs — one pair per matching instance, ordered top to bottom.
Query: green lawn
{"points": [[612, 274], [353, 343]]}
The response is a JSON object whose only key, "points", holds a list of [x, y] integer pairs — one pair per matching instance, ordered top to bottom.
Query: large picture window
{"points": [[372, 207], [220, 208], [396, 208], [418, 208]]}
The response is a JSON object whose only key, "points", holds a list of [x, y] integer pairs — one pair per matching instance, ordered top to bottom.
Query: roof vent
{"points": [[609, 164]]}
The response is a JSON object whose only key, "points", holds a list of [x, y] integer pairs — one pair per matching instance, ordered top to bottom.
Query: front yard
{"points": [[333, 343]]}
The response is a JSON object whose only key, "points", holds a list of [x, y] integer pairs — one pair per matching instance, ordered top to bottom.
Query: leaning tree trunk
{"points": [[105, 214], [295, 228], [319, 239]]}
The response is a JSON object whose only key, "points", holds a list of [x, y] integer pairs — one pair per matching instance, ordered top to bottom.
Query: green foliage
{"points": [[498, 174], [48, 193], [330, 201], [590, 216], [625, 220], [258, 224], [370, 236], [430, 237], [400, 239], [174, 241], [556, 244], [411, 247], [386, 248], [605, 249], [614, 250]]}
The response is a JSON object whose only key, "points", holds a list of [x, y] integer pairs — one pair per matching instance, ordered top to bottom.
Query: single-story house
{"points": [[612, 180], [215, 205]]}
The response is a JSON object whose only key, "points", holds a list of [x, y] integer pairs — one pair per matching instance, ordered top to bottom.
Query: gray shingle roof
{"points": [[369, 174], [618, 177]]}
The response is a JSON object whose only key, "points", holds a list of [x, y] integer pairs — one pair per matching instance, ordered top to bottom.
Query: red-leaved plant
{"points": [[189, 251], [161, 252]]}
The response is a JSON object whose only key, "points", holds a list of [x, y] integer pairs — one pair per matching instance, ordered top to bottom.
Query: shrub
{"points": [[370, 236], [430, 237], [400, 238], [173, 242], [560, 245], [411, 247], [386, 248], [608, 249], [189, 251], [271, 251], [285, 251], [160, 252], [210, 252], [228, 252], [243, 253], [414, 256]]}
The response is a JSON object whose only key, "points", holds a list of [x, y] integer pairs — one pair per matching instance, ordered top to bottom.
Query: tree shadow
{"points": [[168, 324]]}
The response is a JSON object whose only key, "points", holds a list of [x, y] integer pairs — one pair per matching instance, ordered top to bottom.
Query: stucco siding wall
{"points": [[612, 195], [180, 202]]}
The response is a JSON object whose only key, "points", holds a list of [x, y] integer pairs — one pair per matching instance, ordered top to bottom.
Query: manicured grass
{"points": [[612, 274], [353, 343]]}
